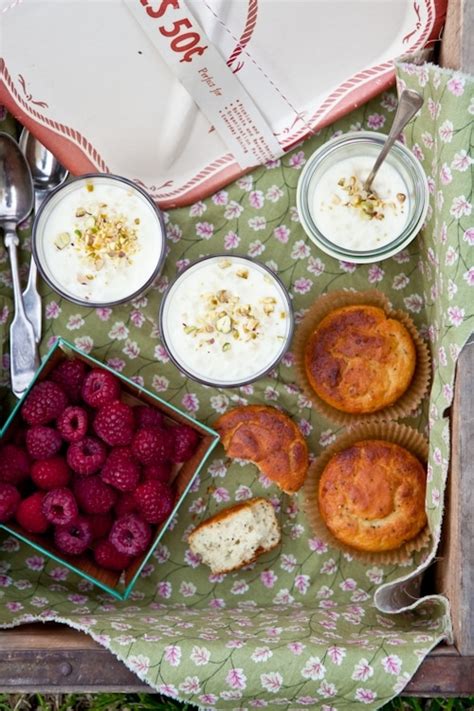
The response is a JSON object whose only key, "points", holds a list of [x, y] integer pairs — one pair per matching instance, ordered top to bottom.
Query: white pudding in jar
{"points": [[352, 218], [350, 223], [99, 240], [226, 321]]}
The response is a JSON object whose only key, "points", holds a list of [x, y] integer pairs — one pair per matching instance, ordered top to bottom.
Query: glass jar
{"points": [[350, 229], [99, 240], [226, 321]]}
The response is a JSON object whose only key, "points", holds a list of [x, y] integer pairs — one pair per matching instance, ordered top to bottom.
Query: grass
{"points": [[151, 702]]}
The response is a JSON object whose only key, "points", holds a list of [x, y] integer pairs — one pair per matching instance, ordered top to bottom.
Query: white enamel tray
{"points": [[84, 78]]}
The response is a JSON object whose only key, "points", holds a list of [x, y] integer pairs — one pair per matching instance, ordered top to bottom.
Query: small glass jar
{"points": [[345, 222], [99, 240], [226, 321]]}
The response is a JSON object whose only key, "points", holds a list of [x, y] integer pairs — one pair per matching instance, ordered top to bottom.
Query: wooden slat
{"points": [[457, 47], [455, 569], [50, 657], [443, 675]]}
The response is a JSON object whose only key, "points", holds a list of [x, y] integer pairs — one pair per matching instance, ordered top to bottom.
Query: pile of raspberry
{"points": [[88, 470]]}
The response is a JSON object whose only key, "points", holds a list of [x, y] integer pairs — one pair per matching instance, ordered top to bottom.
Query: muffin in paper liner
{"points": [[411, 398], [393, 432]]}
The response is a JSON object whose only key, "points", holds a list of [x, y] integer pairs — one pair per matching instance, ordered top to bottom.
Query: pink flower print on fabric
{"points": [[456, 85], [375, 121], [446, 131], [297, 160], [461, 161], [445, 174], [274, 193], [220, 198], [256, 199], [460, 207], [198, 209], [233, 210], [205, 230], [281, 233], [231, 240], [469, 276], [190, 402], [172, 655], [236, 678], [271, 681], [365, 696]]}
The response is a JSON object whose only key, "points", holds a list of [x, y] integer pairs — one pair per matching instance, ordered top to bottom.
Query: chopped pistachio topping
{"points": [[370, 205], [100, 234], [62, 240], [224, 313]]}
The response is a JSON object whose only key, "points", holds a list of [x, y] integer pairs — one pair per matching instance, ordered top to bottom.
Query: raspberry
{"points": [[70, 375], [100, 387], [45, 403], [148, 416], [115, 423], [72, 424], [185, 441], [43, 442], [152, 444], [87, 456], [14, 464], [121, 470], [161, 471], [50, 473], [94, 496], [9, 500], [154, 500], [125, 505], [60, 507], [29, 513], [100, 524], [130, 535], [74, 538], [107, 556]]}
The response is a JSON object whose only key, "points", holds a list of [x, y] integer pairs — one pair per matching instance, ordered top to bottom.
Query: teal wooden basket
{"points": [[118, 585]]}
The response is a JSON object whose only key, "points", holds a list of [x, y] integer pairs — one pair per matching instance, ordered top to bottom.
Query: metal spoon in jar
{"points": [[409, 103], [47, 174], [16, 203]]}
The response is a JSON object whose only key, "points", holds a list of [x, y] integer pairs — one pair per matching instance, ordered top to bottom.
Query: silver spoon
{"points": [[409, 103], [47, 174], [16, 203]]}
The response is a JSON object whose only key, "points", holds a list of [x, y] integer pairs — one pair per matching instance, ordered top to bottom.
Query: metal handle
{"points": [[409, 103], [31, 297], [23, 352]]}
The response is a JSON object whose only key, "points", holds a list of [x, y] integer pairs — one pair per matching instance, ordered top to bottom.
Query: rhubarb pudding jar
{"points": [[350, 223], [99, 240], [226, 321]]}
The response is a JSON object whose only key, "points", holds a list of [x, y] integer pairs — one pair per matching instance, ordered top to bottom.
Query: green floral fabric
{"points": [[301, 626]]}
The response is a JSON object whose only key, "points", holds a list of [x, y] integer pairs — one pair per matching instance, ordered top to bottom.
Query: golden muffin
{"points": [[358, 360], [269, 439], [372, 496]]}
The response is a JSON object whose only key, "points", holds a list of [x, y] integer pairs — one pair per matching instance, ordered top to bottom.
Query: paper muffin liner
{"points": [[418, 387], [402, 435]]}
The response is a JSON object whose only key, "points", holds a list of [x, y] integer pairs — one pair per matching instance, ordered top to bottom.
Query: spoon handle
{"points": [[409, 103], [31, 297], [23, 352]]}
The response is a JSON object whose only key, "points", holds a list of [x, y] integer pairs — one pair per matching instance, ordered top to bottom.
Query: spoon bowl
{"points": [[46, 171], [16, 187], [16, 203]]}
